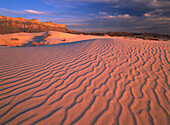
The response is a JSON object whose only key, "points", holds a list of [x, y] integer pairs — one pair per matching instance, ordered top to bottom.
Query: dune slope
{"points": [[98, 81]]}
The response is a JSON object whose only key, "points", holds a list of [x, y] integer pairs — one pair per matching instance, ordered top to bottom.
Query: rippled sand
{"points": [[99, 81]]}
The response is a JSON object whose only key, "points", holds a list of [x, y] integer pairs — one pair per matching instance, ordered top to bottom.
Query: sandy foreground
{"points": [[91, 81]]}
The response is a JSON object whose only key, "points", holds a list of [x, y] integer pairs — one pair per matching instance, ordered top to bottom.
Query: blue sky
{"points": [[95, 15]]}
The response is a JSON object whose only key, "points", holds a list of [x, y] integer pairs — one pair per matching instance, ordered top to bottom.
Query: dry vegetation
{"points": [[106, 34], [145, 36], [15, 39], [35, 43], [38, 44]]}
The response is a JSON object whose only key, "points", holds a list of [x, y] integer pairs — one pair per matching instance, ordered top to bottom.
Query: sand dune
{"points": [[26, 39], [98, 81]]}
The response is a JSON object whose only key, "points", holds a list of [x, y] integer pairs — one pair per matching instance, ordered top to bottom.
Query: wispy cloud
{"points": [[26, 11], [34, 12]]}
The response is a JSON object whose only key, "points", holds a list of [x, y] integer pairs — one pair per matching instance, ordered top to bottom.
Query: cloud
{"points": [[7, 11], [25, 12], [34, 12], [103, 13], [147, 15], [125, 16], [123, 23]]}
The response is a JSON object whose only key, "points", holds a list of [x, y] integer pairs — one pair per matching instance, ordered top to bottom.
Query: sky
{"points": [[95, 15]]}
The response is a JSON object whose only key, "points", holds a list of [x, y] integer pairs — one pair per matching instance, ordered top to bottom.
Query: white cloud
{"points": [[26, 11], [34, 12], [147, 15], [125, 16]]}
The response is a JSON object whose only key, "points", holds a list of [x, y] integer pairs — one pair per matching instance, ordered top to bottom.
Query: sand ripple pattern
{"points": [[101, 82]]}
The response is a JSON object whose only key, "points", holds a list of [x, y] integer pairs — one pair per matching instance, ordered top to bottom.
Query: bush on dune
{"points": [[15, 39], [43, 43], [35, 44], [38, 44]]}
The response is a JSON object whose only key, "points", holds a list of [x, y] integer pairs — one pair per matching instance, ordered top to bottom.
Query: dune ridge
{"points": [[97, 81]]}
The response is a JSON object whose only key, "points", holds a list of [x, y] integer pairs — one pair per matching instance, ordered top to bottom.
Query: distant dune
{"points": [[91, 81]]}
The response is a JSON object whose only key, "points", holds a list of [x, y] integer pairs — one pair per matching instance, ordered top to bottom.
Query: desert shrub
{"points": [[106, 34], [144, 38], [152, 38], [16, 39], [46, 39], [64, 39], [165, 39], [41, 43], [45, 43], [35, 44]]}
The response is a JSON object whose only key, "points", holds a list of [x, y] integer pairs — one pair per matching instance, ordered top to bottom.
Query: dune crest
{"points": [[98, 81]]}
